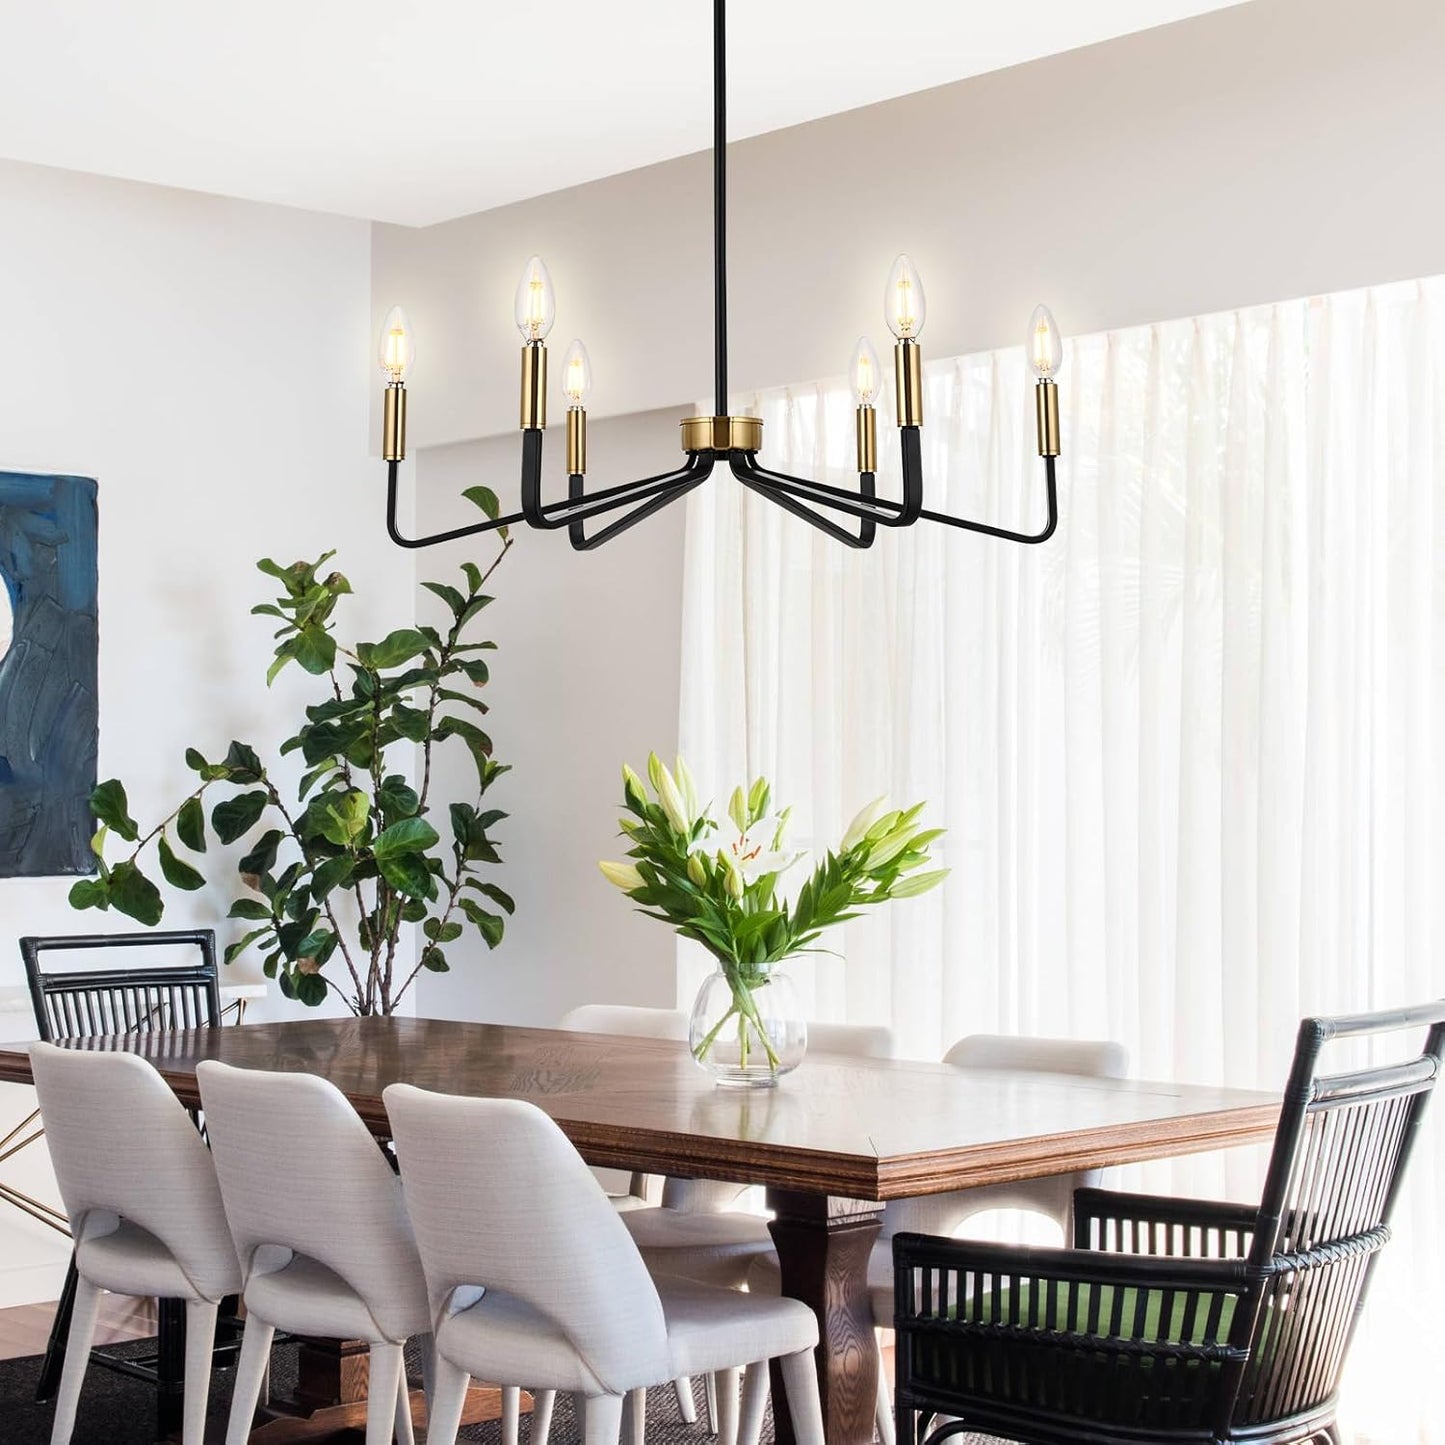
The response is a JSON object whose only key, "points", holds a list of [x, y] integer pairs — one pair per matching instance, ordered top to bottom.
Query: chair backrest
{"points": [[90, 1004], [633, 1022], [859, 1041], [1095, 1059], [124, 1149], [1340, 1152], [301, 1174], [1052, 1197], [502, 1201]]}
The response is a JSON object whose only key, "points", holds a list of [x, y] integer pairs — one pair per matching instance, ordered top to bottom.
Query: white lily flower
{"points": [[858, 828], [755, 852], [623, 875]]}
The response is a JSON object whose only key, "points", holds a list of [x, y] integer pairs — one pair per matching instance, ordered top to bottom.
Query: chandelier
{"points": [[722, 440]]}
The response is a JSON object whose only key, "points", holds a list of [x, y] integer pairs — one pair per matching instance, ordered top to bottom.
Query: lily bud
{"points": [[632, 787], [689, 788], [759, 798], [672, 805], [738, 809], [783, 818], [860, 825], [890, 847], [697, 869], [623, 875], [919, 883], [735, 885]]}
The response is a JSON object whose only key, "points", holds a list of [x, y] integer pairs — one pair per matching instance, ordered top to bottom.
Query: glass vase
{"points": [[748, 1034]]}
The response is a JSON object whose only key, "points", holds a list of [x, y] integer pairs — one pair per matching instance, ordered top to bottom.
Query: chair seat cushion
{"points": [[714, 1249], [132, 1261], [305, 1297], [1118, 1312], [712, 1329]]}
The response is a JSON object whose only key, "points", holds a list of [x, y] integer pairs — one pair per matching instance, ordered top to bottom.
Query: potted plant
{"points": [[341, 863], [719, 887]]}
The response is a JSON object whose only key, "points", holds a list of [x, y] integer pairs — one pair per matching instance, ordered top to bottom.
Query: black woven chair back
{"points": [[94, 1003], [1343, 1142]]}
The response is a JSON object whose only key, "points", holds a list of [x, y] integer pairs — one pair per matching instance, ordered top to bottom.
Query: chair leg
{"points": [[85, 1309], [59, 1334], [200, 1360], [385, 1371], [251, 1372], [800, 1379], [709, 1385], [449, 1398], [755, 1402], [542, 1403], [883, 1404], [686, 1406], [727, 1407], [511, 1414], [634, 1417], [601, 1418], [405, 1431]]}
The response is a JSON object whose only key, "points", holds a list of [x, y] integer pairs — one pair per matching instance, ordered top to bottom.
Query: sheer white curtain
{"points": [[1190, 753]]}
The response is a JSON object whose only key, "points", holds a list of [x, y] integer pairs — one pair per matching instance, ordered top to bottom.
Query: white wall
{"points": [[1275, 149], [209, 362], [584, 678]]}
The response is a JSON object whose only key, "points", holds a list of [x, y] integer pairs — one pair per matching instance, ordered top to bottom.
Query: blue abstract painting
{"points": [[49, 645]]}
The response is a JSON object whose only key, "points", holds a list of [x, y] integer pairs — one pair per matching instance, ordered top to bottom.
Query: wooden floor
{"points": [[25, 1329]]}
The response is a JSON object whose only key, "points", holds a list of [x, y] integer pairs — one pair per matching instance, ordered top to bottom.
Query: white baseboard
{"points": [[30, 1284]]}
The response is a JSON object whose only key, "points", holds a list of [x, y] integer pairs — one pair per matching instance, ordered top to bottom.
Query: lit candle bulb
{"points": [[905, 307], [534, 310], [396, 352], [1046, 355], [865, 376], [576, 385]]}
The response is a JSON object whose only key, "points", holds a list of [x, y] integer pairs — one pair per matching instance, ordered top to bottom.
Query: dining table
{"points": [[831, 1143]]}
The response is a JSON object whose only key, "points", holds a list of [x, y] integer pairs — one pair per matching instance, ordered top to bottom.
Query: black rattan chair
{"points": [[94, 1004], [1174, 1320]]}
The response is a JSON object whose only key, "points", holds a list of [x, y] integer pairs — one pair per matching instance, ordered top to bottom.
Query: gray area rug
{"points": [[116, 1410]]}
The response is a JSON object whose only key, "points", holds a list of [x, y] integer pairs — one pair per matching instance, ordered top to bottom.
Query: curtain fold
{"points": [[1188, 752]]}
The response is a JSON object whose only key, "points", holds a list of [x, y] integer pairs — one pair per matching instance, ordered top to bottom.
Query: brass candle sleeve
{"points": [[908, 381], [534, 386], [1046, 408], [393, 423], [867, 439], [576, 441]]}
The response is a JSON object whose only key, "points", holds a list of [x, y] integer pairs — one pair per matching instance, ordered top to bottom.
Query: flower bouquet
{"points": [[718, 885]]}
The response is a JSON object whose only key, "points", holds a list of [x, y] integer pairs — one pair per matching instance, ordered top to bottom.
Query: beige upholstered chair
{"points": [[141, 1195], [321, 1230], [532, 1277]]}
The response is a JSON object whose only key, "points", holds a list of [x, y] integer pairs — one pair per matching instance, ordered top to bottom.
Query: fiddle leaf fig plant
{"points": [[338, 864]]}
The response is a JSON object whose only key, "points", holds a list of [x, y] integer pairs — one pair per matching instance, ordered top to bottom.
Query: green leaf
{"points": [[486, 499], [473, 574], [449, 595], [315, 649], [393, 649], [409, 722], [478, 743], [195, 761], [242, 764], [397, 798], [108, 803], [237, 816], [340, 818], [191, 825], [407, 835], [262, 858], [176, 873], [333, 873], [408, 874], [90, 893], [133, 894], [502, 900], [250, 908], [488, 924], [440, 932], [236, 949], [434, 959], [310, 988]]}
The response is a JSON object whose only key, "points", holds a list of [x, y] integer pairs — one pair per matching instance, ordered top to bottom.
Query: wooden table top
{"points": [[858, 1128]]}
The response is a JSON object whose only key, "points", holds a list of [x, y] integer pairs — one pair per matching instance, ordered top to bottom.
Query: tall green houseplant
{"points": [[339, 864]]}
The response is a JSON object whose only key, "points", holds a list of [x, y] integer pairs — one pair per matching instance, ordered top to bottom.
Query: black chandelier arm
{"points": [[696, 472], [778, 489], [580, 506], [394, 532], [1029, 539]]}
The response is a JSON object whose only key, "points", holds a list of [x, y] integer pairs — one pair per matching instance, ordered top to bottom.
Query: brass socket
{"points": [[908, 381], [534, 386], [1046, 410], [393, 423], [722, 433], [867, 439], [576, 441]]}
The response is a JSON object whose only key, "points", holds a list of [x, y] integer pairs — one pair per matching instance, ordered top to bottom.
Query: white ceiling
{"points": [[419, 110]]}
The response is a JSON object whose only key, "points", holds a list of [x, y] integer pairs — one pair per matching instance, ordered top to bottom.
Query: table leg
{"points": [[823, 1247]]}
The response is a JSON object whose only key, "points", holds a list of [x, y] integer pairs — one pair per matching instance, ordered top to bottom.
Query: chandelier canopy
{"points": [[723, 440]]}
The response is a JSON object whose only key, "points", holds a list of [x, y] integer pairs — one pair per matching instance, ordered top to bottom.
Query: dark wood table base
{"points": [[823, 1247]]}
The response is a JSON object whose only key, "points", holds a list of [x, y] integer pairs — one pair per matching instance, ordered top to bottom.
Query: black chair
{"points": [[95, 1004], [1176, 1320]]}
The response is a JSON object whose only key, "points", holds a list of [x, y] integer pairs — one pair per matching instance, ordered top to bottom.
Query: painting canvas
{"points": [[49, 643]]}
